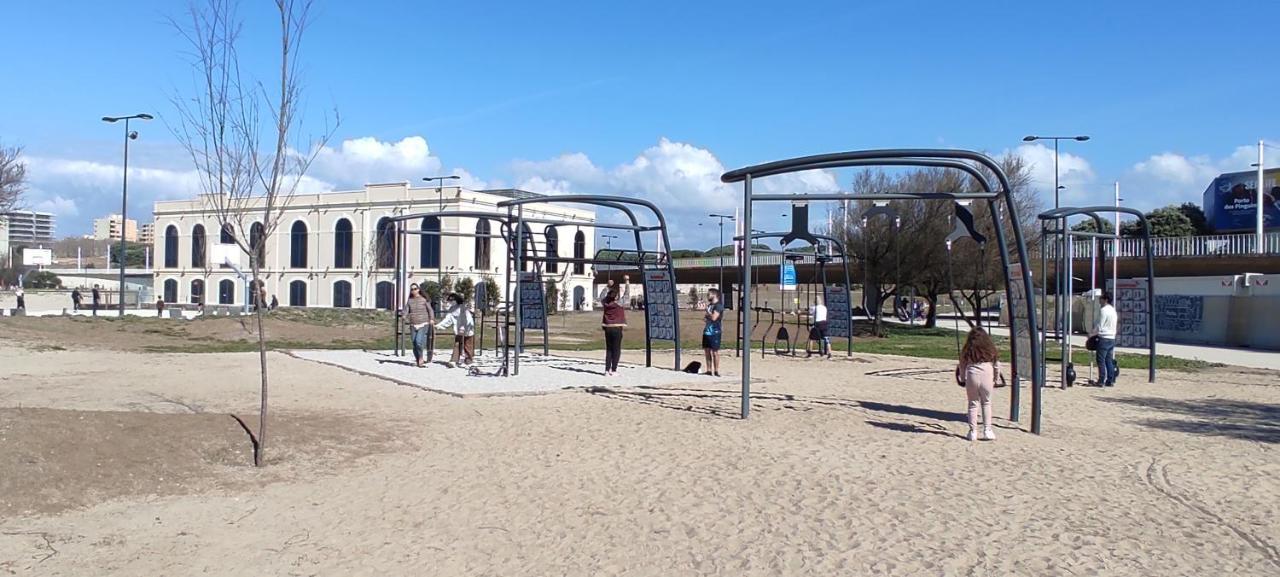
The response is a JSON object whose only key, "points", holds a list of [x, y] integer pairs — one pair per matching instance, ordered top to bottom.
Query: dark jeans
{"points": [[612, 348], [1106, 356]]}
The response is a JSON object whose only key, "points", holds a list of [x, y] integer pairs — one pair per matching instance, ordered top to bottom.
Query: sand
{"points": [[845, 467]]}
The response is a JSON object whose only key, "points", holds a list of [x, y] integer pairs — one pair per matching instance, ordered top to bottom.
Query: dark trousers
{"points": [[612, 348], [1106, 356]]}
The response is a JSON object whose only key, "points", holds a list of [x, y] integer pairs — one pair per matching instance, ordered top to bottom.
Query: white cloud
{"points": [[1074, 172], [1170, 177], [682, 179], [63, 207]]}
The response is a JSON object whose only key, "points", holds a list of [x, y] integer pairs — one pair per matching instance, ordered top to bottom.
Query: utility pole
{"points": [[1260, 248]]}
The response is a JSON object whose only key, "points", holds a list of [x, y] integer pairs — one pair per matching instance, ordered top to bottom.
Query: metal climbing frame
{"points": [[953, 159], [1063, 263], [656, 279]]}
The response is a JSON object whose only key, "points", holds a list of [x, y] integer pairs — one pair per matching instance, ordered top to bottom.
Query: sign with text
{"points": [[1231, 201], [788, 275], [660, 305], [1131, 306], [533, 307], [839, 317], [1020, 323]]}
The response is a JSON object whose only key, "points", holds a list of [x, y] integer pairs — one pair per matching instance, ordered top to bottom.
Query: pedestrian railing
{"points": [[1176, 247]]}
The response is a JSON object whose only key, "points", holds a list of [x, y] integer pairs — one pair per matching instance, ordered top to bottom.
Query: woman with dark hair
{"points": [[418, 311], [613, 321], [979, 363]]}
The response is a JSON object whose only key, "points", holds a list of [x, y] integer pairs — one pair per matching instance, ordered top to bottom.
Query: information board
{"points": [[788, 275], [1131, 304], [660, 305], [533, 308], [1179, 313], [839, 317], [1020, 323]]}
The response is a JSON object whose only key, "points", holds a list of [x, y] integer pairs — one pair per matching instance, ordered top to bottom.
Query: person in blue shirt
{"points": [[711, 332]]}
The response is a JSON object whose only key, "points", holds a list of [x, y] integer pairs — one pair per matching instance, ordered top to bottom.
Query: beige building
{"points": [[110, 228], [147, 233], [328, 251]]}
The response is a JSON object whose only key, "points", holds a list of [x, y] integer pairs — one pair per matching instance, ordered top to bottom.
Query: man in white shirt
{"points": [[1104, 327], [818, 332]]}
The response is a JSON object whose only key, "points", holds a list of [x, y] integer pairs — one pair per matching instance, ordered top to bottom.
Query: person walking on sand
{"points": [[22, 299], [76, 299], [97, 299], [419, 312], [613, 321], [463, 323], [1104, 327], [711, 331], [979, 364]]}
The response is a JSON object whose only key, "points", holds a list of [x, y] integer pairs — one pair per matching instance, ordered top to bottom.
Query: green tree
{"points": [[1196, 215], [1165, 222], [1088, 225], [685, 253], [135, 254], [43, 280], [466, 287], [491, 292], [552, 296], [693, 297]]}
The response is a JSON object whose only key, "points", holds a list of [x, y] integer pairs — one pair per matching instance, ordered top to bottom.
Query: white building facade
{"points": [[335, 249]]}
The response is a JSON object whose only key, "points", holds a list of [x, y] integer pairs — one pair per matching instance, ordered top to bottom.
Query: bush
{"points": [[43, 280]]}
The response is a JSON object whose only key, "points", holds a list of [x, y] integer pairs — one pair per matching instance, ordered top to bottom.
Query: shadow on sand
{"points": [[1258, 422]]}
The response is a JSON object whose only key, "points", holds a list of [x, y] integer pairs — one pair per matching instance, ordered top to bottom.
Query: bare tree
{"points": [[249, 167], [13, 177]]}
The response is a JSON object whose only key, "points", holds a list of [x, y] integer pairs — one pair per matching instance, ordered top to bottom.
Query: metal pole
{"points": [[124, 213], [720, 249], [1260, 249], [1115, 254], [746, 296], [1065, 305]]}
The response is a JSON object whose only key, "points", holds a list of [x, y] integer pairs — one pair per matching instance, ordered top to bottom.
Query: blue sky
{"points": [[655, 99]]}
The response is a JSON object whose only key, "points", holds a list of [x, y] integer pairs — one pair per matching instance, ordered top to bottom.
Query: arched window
{"points": [[228, 235], [258, 243], [386, 243], [430, 243], [342, 244], [298, 245], [482, 245], [197, 246], [526, 247], [171, 249], [553, 249], [579, 252], [170, 291], [197, 291], [226, 292], [298, 293], [342, 294], [385, 295]]}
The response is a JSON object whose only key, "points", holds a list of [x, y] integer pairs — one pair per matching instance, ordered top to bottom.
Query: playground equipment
{"points": [[962, 160], [965, 227], [1139, 299], [523, 306]]}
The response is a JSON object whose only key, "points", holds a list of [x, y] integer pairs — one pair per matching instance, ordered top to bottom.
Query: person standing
{"points": [[22, 298], [76, 298], [420, 316], [613, 321], [463, 323], [1104, 327], [712, 331], [818, 332], [979, 364]]}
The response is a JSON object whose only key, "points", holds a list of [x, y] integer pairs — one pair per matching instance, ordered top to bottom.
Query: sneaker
{"points": [[717, 373], [973, 434], [988, 434]]}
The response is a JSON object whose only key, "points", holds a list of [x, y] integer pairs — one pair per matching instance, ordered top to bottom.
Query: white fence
{"points": [[1179, 247]]}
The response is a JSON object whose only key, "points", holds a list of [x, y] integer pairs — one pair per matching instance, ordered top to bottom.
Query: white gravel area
{"points": [[538, 374]]}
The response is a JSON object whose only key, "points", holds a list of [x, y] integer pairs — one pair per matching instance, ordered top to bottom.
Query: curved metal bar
{"points": [[929, 162], [844, 261]]}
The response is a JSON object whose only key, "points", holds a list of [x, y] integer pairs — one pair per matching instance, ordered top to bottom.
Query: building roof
{"points": [[513, 193]]}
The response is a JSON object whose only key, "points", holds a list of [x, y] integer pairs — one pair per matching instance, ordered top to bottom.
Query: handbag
{"points": [[1091, 343]]}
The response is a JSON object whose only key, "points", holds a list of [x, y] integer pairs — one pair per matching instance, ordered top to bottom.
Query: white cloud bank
{"points": [[1170, 177]]}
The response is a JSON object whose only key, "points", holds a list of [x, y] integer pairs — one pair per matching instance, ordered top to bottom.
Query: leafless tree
{"points": [[250, 165], [13, 177]]}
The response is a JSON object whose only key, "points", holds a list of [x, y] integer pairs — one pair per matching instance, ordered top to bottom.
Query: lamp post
{"points": [[1055, 140], [124, 194], [440, 239], [608, 245], [720, 247], [1261, 249], [1115, 254]]}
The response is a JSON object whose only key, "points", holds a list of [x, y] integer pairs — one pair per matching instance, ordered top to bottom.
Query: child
{"points": [[979, 363]]}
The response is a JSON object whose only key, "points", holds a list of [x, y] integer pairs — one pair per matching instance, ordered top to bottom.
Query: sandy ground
{"points": [[845, 467]]}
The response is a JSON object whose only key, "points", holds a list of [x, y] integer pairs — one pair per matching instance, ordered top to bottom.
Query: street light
{"points": [[1055, 140], [124, 195], [440, 195], [608, 245], [720, 247]]}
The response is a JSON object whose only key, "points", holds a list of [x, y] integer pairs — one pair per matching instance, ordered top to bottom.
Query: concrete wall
{"points": [[1224, 310]]}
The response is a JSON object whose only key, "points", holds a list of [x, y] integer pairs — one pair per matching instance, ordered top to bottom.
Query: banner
{"points": [[1231, 201], [788, 275], [1131, 304], [660, 305], [533, 307], [839, 317], [1020, 324]]}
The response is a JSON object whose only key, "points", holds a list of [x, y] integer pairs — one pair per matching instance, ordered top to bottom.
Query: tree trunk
{"points": [[931, 320], [260, 449]]}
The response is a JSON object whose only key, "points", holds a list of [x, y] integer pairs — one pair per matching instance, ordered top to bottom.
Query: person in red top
{"points": [[613, 321]]}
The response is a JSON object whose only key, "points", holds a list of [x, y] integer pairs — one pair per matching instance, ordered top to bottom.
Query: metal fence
{"points": [[1179, 247], [774, 259]]}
